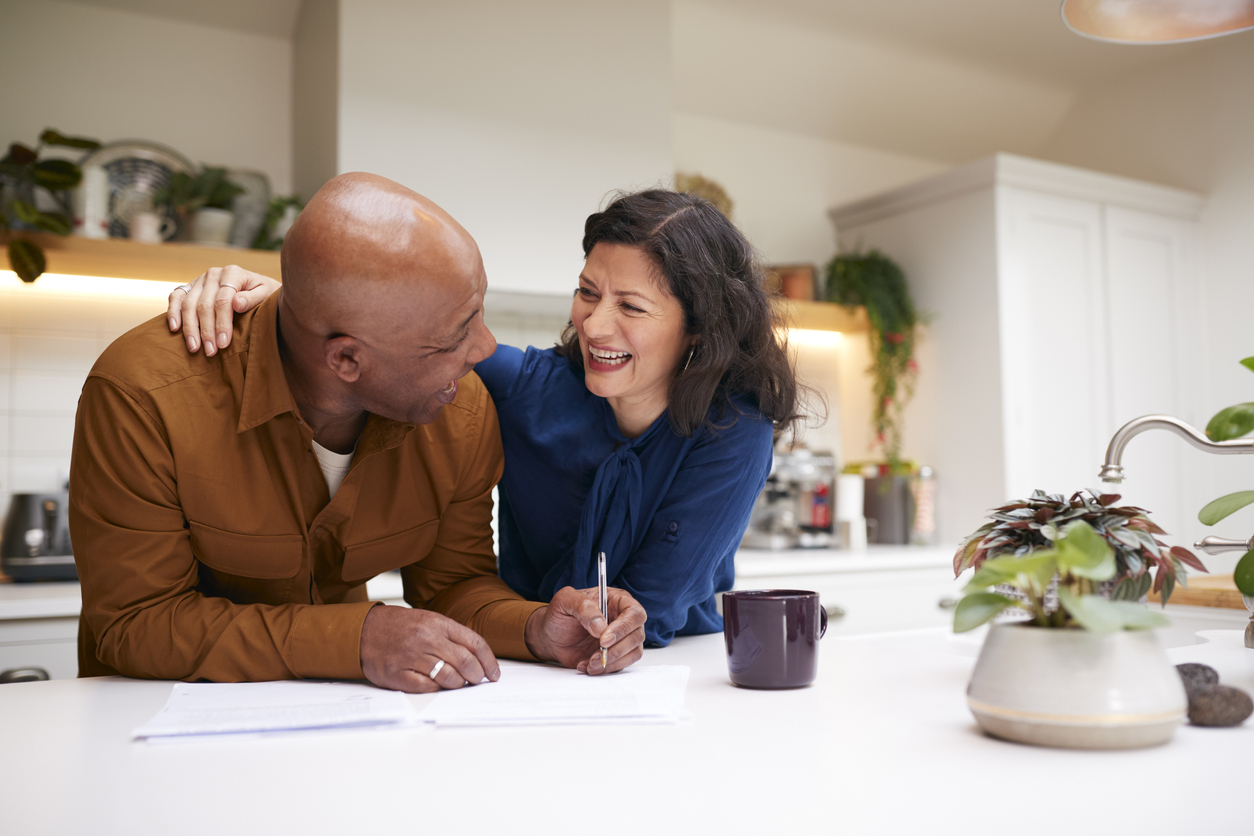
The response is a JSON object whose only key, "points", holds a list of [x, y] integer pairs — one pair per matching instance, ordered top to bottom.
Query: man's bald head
{"points": [[365, 242], [382, 301]]}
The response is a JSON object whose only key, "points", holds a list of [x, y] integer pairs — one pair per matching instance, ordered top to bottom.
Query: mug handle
{"points": [[822, 620]]}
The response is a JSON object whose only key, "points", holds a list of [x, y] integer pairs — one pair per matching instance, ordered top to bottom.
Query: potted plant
{"points": [[21, 174], [203, 200], [280, 216], [874, 280], [1229, 423], [1027, 525], [1088, 673]]}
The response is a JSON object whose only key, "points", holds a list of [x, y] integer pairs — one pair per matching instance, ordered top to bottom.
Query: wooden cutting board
{"points": [[1206, 591]]}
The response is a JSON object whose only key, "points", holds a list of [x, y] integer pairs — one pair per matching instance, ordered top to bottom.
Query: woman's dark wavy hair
{"points": [[712, 270]]}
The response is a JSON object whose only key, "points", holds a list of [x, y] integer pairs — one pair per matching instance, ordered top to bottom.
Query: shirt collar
{"points": [[266, 393]]}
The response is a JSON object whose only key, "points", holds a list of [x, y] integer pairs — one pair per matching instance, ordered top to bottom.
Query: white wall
{"points": [[760, 68], [315, 95], [218, 96], [518, 118], [1191, 124], [782, 184]]}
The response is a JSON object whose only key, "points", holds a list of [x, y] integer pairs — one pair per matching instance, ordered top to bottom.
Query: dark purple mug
{"points": [[773, 636]]}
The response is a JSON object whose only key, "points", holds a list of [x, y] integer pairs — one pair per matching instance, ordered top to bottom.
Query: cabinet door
{"points": [[1151, 315], [1053, 333]]}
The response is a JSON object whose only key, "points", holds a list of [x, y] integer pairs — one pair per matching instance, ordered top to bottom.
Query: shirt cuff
{"points": [[505, 628], [326, 641]]}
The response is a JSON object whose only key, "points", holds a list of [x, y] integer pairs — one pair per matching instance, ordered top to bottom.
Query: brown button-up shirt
{"points": [[206, 542]]}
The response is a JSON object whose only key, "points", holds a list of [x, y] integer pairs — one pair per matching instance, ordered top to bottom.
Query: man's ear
{"points": [[343, 356]]}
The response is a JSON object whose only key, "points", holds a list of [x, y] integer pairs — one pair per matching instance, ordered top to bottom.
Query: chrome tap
{"points": [[1112, 470]]}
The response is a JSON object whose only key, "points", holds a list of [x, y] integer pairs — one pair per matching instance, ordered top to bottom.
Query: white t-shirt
{"points": [[334, 465]]}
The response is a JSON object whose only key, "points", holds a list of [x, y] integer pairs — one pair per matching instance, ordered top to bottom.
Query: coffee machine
{"points": [[796, 508], [35, 544]]}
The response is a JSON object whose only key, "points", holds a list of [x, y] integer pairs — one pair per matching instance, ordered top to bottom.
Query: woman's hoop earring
{"points": [[692, 351]]}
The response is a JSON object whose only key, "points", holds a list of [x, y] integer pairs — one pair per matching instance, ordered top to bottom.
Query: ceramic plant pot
{"points": [[212, 226], [1076, 689]]}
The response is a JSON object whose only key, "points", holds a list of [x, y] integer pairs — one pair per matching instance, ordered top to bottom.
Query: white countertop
{"points": [[882, 743]]}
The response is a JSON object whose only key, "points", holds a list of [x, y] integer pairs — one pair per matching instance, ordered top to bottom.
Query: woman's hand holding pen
{"points": [[571, 631]]}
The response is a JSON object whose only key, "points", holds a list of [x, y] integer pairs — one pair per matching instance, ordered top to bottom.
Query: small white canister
{"points": [[91, 203]]}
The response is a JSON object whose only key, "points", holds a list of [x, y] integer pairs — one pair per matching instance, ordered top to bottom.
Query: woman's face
{"points": [[631, 330]]}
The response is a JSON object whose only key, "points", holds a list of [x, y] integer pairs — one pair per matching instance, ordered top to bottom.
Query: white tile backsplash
{"points": [[52, 314], [48, 343], [29, 352], [45, 392], [41, 434], [37, 474]]}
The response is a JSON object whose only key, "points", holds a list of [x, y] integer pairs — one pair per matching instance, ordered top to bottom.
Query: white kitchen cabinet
{"points": [[1062, 304], [875, 590], [39, 627]]}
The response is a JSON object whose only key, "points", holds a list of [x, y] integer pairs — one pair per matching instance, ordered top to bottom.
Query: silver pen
{"points": [[603, 595]]}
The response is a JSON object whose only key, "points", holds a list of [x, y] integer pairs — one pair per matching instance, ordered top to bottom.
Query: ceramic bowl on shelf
{"points": [[136, 170], [1076, 689]]}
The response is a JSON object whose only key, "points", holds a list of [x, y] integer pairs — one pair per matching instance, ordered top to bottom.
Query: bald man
{"points": [[228, 507]]}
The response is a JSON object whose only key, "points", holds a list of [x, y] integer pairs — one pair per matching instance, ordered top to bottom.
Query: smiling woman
{"points": [[646, 433]]}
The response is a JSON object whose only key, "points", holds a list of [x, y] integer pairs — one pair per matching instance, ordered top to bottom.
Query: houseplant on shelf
{"points": [[21, 173], [204, 201], [874, 280], [1229, 423], [1024, 526], [1088, 673]]}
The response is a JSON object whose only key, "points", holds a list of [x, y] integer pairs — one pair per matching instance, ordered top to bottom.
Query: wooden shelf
{"points": [[121, 259], [822, 316]]}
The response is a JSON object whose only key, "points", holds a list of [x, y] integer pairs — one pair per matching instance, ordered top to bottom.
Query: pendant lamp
{"points": [[1157, 21]]}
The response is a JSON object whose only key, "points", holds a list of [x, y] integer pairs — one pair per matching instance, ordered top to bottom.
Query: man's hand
{"points": [[206, 310], [571, 631], [400, 647]]}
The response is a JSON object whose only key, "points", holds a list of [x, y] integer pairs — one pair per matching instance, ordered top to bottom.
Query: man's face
{"points": [[411, 370]]}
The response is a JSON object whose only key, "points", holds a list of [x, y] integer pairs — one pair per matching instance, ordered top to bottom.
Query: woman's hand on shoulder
{"points": [[204, 309]]}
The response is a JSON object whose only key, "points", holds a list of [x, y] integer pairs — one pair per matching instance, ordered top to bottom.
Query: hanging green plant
{"points": [[874, 280]]}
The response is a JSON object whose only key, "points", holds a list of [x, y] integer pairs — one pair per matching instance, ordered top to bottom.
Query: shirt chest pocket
{"points": [[261, 556], [365, 560]]}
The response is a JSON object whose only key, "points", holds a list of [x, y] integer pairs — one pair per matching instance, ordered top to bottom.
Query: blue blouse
{"points": [[668, 511]]}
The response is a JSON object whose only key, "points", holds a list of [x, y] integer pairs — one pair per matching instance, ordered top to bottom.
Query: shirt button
{"points": [[672, 527]]}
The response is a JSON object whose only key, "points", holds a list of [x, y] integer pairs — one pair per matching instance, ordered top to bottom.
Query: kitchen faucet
{"points": [[1112, 473]]}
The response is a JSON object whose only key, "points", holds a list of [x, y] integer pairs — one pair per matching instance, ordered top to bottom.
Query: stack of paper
{"points": [[545, 695], [197, 710]]}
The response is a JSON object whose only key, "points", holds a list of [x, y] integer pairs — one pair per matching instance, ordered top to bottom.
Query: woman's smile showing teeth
{"points": [[602, 357]]}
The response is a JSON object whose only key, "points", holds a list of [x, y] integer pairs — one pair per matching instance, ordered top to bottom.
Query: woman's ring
{"points": [[231, 286], [186, 288], [438, 666]]}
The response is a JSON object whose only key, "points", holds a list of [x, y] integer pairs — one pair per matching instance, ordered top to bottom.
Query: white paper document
{"points": [[546, 695], [210, 708]]}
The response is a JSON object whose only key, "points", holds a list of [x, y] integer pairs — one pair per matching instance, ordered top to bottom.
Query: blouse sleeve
{"points": [[500, 372], [689, 551]]}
